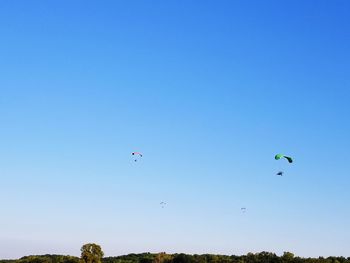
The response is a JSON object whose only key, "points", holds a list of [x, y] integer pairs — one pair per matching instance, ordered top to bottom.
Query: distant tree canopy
{"points": [[92, 253], [44, 259]]}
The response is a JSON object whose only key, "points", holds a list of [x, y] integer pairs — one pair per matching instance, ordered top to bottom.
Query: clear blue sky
{"points": [[209, 91]]}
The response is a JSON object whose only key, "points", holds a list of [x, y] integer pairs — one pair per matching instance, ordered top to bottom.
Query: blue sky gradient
{"points": [[209, 92]]}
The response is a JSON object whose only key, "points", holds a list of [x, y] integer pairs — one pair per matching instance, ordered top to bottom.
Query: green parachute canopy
{"points": [[279, 156]]}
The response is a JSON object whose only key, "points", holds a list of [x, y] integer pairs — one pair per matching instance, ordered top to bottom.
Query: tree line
{"points": [[92, 253]]}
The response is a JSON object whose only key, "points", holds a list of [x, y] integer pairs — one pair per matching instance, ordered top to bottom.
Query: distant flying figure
{"points": [[137, 156], [279, 156], [162, 204], [243, 209]]}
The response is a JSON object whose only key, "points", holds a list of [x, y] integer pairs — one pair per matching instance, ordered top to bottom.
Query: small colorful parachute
{"points": [[137, 155], [279, 156], [162, 204], [243, 209]]}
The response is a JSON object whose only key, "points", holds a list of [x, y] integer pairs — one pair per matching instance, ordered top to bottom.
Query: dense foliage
{"points": [[91, 253], [263, 257]]}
